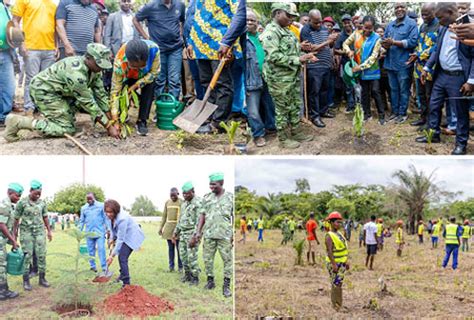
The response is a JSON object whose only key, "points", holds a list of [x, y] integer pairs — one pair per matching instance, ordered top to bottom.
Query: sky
{"points": [[278, 175], [122, 178]]}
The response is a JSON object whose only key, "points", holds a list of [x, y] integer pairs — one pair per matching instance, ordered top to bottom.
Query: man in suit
{"points": [[119, 28], [453, 77]]}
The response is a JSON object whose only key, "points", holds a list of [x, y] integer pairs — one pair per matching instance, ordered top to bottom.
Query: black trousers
{"points": [[318, 86], [371, 88], [385, 91], [223, 92], [424, 94], [146, 99], [124, 254]]}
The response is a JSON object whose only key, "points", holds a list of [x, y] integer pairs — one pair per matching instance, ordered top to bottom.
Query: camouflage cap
{"points": [[289, 7], [101, 55]]}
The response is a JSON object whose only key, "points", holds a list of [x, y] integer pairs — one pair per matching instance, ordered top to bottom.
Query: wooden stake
{"points": [[77, 143]]}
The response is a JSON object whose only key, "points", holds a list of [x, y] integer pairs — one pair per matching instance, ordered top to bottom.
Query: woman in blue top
{"points": [[126, 234]]}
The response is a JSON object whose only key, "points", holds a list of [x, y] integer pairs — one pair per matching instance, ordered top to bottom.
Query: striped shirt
{"points": [[81, 22], [314, 36]]}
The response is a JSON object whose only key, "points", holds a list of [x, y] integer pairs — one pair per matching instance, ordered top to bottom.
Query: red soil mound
{"points": [[135, 301]]}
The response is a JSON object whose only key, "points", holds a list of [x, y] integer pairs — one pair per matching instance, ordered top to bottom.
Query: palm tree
{"points": [[416, 189], [270, 206]]}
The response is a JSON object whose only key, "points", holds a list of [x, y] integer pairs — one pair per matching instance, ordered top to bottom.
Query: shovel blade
{"points": [[194, 116]]}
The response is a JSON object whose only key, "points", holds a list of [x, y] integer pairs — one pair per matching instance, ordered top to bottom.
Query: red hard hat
{"points": [[334, 215], [466, 221], [399, 222]]}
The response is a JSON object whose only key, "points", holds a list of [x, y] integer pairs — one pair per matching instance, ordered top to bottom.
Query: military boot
{"points": [[14, 123], [298, 135], [285, 141], [186, 277], [194, 280], [42, 281], [26, 282], [210, 283], [226, 288], [10, 294]]}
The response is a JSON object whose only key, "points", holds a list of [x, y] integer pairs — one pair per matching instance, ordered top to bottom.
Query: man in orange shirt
{"points": [[311, 227], [243, 228]]}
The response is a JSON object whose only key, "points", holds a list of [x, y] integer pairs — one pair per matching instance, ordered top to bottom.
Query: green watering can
{"points": [[348, 76], [167, 108], [83, 249], [15, 260]]}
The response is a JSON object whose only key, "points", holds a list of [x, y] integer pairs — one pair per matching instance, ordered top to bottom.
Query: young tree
{"points": [[302, 185], [73, 197], [143, 207]]}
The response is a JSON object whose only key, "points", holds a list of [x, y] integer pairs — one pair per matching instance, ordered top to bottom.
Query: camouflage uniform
{"points": [[281, 71], [62, 90], [6, 217], [185, 229], [218, 231], [285, 231], [32, 234]]}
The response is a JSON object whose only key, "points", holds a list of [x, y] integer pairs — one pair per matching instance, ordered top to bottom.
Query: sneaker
{"points": [[349, 111], [392, 117], [367, 118], [401, 119], [382, 121], [141, 128], [259, 141]]}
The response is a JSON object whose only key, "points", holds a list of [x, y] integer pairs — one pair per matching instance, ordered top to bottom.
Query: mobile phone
{"points": [[463, 19]]}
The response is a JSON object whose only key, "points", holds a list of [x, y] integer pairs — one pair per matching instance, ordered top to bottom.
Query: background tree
{"points": [[302, 185], [73, 197], [343, 206], [143, 207]]}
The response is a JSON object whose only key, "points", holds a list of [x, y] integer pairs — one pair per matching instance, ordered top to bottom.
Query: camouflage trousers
{"points": [[287, 99], [59, 113], [33, 241], [210, 247], [189, 256], [3, 261]]}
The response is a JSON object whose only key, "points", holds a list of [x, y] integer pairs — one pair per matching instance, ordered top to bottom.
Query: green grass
{"points": [[148, 268]]}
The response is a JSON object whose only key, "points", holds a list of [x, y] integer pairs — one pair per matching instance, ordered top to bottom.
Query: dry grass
{"points": [[269, 284]]}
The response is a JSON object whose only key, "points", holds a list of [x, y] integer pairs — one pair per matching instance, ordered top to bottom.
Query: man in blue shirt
{"points": [[165, 18], [400, 39], [93, 217], [452, 235]]}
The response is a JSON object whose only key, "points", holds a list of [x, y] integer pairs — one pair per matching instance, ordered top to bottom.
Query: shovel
{"points": [[199, 111], [105, 276]]}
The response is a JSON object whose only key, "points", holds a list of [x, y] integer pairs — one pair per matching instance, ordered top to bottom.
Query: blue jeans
{"points": [[170, 73], [195, 74], [7, 84], [331, 88], [399, 90], [239, 91], [349, 97], [261, 111], [260, 234], [99, 243], [171, 249], [454, 249], [124, 254]]}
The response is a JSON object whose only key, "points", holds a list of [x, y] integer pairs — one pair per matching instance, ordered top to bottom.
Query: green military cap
{"points": [[289, 7], [101, 55], [216, 176], [35, 185], [187, 186], [16, 187]]}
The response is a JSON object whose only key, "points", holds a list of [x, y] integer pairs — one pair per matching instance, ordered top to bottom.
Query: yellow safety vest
{"points": [[260, 224], [327, 226], [379, 229], [420, 229], [436, 230], [466, 232], [451, 234], [399, 238], [339, 250]]}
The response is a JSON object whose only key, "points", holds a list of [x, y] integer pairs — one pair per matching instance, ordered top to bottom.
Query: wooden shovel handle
{"points": [[217, 74]]}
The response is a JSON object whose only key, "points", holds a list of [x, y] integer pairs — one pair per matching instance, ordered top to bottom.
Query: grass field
{"points": [[148, 268], [269, 284]]}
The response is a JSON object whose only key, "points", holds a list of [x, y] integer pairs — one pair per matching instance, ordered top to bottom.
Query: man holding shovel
{"points": [[61, 90], [94, 219], [6, 236]]}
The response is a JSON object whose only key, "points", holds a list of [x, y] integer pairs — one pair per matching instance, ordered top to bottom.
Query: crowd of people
{"points": [[77, 56], [362, 61], [24, 223]]}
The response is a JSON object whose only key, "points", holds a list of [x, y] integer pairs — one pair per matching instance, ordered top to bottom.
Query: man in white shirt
{"points": [[119, 28], [370, 240]]}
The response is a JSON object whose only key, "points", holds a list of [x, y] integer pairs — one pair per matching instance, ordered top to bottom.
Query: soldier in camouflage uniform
{"points": [[281, 71], [61, 90], [7, 207], [191, 209], [32, 217], [217, 220], [285, 231]]}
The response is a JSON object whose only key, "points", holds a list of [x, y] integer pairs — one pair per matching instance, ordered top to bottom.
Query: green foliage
{"points": [[124, 103], [358, 121], [230, 130], [429, 137], [302, 185], [73, 197], [143, 206], [343, 206], [462, 209], [275, 222], [299, 247], [73, 288]]}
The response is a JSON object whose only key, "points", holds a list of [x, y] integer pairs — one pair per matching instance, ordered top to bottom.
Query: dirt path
{"points": [[269, 284]]}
